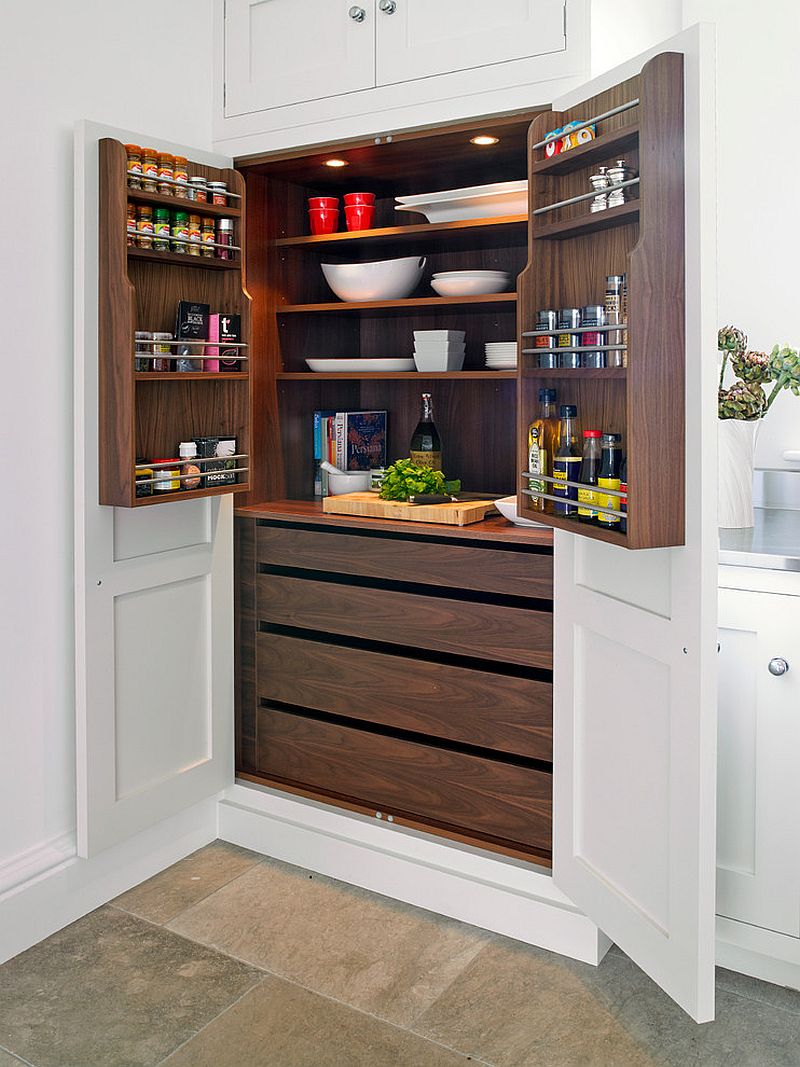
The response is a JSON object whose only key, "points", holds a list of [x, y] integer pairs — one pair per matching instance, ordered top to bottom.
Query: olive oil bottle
{"points": [[542, 437], [426, 445], [567, 461]]}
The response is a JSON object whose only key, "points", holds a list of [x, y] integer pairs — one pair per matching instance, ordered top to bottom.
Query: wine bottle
{"points": [[426, 445]]}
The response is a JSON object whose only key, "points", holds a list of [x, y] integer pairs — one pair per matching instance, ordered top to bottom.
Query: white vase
{"points": [[737, 445]]}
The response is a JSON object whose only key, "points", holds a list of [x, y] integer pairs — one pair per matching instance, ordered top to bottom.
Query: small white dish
{"points": [[471, 274], [469, 286], [439, 335], [439, 346], [435, 363], [339, 366], [349, 482], [507, 507]]}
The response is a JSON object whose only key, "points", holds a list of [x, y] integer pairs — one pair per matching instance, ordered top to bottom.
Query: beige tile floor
{"points": [[231, 960]]}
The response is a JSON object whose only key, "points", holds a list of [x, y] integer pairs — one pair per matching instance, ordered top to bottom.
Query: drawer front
{"points": [[489, 570], [490, 631], [494, 711], [450, 789]]}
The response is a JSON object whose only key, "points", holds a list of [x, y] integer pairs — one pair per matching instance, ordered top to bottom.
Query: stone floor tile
{"points": [[164, 896], [365, 950], [112, 990], [777, 996], [281, 1025], [9, 1060]]}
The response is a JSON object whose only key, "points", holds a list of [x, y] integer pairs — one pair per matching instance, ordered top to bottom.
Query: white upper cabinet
{"points": [[417, 38], [280, 52]]}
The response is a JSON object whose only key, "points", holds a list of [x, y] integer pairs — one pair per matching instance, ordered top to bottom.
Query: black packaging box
{"points": [[220, 451]]}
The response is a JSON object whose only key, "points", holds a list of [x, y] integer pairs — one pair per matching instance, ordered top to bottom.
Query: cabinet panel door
{"points": [[419, 38], [281, 52], [758, 847]]}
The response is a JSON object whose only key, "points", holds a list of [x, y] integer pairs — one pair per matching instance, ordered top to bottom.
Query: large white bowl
{"points": [[383, 279], [469, 286], [433, 362], [507, 507]]}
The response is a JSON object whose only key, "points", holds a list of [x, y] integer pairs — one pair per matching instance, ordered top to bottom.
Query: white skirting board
{"points": [[503, 895], [34, 903], [764, 954]]}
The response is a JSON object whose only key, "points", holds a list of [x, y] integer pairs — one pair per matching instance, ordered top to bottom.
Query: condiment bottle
{"points": [[134, 154], [166, 166], [149, 170], [181, 175], [198, 189], [144, 226], [161, 229], [180, 232], [195, 235], [209, 236], [224, 237], [545, 320], [542, 434], [426, 445], [188, 452], [567, 460], [589, 472], [608, 478]]}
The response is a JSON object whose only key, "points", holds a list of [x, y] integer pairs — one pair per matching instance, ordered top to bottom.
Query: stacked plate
{"points": [[474, 202], [470, 282], [438, 350], [501, 355]]}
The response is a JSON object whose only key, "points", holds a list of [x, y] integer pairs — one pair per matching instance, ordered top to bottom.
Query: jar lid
{"points": [[133, 149], [166, 155], [181, 159], [198, 179], [218, 185], [145, 210], [162, 213], [181, 217], [225, 225], [593, 310], [143, 335], [162, 337], [547, 394], [568, 411], [591, 433], [612, 438], [187, 449]]}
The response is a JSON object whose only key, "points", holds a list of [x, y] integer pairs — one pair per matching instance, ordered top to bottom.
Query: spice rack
{"points": [[570, 252], [146, 413]]}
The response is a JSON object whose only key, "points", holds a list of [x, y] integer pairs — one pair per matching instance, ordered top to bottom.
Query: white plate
{"points": [[470, 190], [478, 202], [472, 274], [468, 286], [357, 364], [507, 507]]}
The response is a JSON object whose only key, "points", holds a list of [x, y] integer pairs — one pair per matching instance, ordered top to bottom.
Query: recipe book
{"points": [[350, 440]]}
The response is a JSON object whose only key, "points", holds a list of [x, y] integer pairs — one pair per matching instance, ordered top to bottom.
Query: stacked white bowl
{"points": [[470, 282], [438, 350], [501, 355]]}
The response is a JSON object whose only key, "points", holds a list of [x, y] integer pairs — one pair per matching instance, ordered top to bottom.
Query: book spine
{"points": [[213, 335], [341, 437], [318, 472]]}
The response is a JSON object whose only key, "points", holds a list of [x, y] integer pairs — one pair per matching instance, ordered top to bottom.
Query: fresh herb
{"points": [[404, 479]]}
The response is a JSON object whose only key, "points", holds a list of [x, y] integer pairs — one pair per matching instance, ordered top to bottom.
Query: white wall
{"points": [[60, 62]]}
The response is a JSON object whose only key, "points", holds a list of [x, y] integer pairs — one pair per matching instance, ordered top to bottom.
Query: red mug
{"points": [[359, 199], [322, 202], [359, 216], [323, 221]]}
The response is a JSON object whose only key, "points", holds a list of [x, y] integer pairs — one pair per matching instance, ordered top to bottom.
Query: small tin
{"points": [[593, 315]]}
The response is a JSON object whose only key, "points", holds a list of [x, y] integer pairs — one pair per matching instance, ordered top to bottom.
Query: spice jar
{"points": [[134, 153], [166, 164], [149, 170], [620, 172], [181, 175], [598, 182], [198, 189], [218, 191], [131, 224], [144, 226], [161, 229], [180, 232], [195, 235], [209, 237], [224, 237], [615, 284], [593, 315], [545, 320], [568, 320], [144, 345], [160, 351], [188, 452], [166, 478], [144, 483]]}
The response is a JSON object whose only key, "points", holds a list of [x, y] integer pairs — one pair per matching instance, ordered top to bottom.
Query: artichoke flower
{"points": [[732, 340], [753, 367], [744, 401]]}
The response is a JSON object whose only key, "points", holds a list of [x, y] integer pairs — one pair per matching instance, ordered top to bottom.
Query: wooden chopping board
{"points": [[370, 505]]}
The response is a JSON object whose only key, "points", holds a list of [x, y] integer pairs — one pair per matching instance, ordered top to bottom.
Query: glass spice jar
{"points": [[134, 154], [166, 166], [149, 170], [181, 175], [198, 189], [218, 191], [131, 224], [144, 227], [161, 229], [180, 232], [195, 235], [209, 237], [224, 237], [162, 350], [141, 362]]}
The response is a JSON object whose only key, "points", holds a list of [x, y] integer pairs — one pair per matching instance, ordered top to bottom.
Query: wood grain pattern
{"points": [[427, 236], [414, 304], [395, 376], [455, 513], [451, 565], [244, 624], [489, 631], [493, 711], [496, 799]]}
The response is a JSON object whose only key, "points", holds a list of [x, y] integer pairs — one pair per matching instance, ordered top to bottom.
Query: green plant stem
{"points": [[722, 369], [779, 384]]}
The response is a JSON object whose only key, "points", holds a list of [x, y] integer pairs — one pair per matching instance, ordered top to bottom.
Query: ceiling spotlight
{"points": [[483, 139], [336, 163]]}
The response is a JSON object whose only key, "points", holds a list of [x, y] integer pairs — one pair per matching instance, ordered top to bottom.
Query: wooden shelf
{"points": [[607, 146], [175, 203], [589, 223], [471, 233], [182, 260], [412, 304], [561, 373], [191, 376], [450, 376], [189, 494], [613, 537]]}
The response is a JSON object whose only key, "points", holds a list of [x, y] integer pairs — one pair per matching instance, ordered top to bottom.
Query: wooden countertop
{"points": [[310, 512]]}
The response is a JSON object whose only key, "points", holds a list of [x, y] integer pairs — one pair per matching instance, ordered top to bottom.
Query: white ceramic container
{"points": [[474, 202], [383, 279], [461, 286], [434, 362], [349, 482]]}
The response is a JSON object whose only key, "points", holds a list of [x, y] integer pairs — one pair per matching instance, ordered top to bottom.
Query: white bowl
{"points": [[471, 274], [384, 279], [468, 286], [439, 335], [433, 347], [432, 362], [349, 482], [507, 507]]}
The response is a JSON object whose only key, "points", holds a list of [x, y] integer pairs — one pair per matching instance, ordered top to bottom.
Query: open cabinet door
{"points": [[153, 596], [635, 651]]}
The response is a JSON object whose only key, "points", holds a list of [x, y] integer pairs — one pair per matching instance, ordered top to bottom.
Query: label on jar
{"points": [[427, 459], [586, 497], [606, 501]]}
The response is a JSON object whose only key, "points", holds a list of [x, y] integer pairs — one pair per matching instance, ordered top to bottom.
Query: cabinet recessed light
{"points": [[483, 139], [336, 163]]}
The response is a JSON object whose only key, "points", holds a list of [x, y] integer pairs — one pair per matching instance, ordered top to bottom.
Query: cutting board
{"points": [[370, 505]]}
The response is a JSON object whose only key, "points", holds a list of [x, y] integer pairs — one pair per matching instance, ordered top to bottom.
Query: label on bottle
{"points": [[427, 459], [536, 460], [566, 467], [587, 497], [608, 501]]}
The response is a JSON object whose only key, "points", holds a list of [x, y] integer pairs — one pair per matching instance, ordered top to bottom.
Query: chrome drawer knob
{"points": [[388, 7], [357, 14], [778, 666]]}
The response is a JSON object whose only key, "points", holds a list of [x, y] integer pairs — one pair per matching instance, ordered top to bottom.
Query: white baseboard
{"points": [[48, 887], [505, 896], [760, 953]]}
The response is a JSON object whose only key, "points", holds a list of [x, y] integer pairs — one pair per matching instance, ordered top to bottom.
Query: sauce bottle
{"points": [[542, 436], [426, 445], [567, 460], [610, 464], [589, 473], [623, 504]]}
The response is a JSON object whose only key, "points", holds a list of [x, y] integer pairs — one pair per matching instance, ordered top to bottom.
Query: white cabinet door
{"points": [[420, 38], [281, 52], [154, 602], [634, 730], [758, 844]]}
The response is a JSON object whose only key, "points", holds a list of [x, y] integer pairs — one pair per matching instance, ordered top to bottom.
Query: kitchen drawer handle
{"points": [[388, 7], [357, 14], [778, 666]]}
